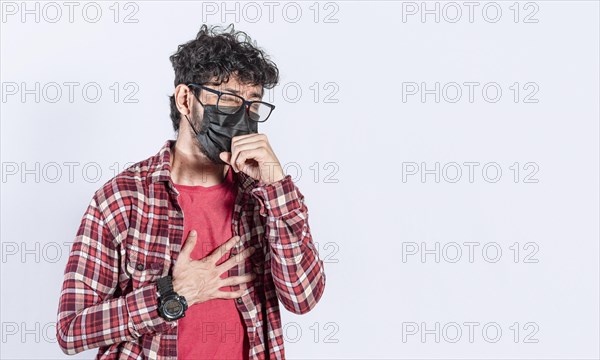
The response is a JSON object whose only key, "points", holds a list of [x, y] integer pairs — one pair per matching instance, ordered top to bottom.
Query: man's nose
{"points": [[247, 117]]}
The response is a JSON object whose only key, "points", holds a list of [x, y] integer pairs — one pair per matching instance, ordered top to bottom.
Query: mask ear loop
{"points": [[188, 119]]}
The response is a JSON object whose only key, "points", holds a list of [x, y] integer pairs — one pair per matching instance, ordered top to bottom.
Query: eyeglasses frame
{"points": [[245, 103]]}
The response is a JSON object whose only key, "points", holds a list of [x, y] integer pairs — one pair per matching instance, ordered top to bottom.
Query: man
{"points": [[186, 254]]}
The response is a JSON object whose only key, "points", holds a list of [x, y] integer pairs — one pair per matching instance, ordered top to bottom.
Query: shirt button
{"points": [[140, 266], [239, 300]]}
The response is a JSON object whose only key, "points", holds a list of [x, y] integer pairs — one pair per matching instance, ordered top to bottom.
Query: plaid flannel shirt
{"points": [[131, 235]]}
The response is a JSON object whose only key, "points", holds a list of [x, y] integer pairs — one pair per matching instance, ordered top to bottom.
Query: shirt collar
{"points": [[160, 169]]}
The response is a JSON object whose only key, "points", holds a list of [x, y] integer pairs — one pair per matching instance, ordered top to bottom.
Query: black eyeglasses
{"points": [[228, 103]]}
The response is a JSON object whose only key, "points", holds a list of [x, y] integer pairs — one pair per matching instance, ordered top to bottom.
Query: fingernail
{"points": [[193, 232]]}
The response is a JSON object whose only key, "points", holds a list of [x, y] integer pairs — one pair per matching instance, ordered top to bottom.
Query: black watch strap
{"points": [[165, 285]]}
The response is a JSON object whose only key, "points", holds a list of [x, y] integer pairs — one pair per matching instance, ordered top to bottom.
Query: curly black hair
{"points": [[221, 52]]}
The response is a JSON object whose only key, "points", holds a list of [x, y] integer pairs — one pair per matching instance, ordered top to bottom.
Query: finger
{"points": [[240, 137], [249, 139], [234, 141], [236, 149], [257, 154], [225, 156], [190, 242], [217, 253], [237, 259], [235, 280], [229, 294]]}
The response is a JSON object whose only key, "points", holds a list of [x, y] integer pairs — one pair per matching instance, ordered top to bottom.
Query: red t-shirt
{"points": [[213, 329]]}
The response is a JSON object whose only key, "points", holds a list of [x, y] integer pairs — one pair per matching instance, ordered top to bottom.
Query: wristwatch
{"points": [[171, 306]]}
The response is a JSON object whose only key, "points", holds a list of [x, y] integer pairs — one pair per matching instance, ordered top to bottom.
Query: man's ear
{"points": [[182, 99]]}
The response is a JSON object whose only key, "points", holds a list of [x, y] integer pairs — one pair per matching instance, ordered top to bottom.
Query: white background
{"points": [[367, 209]]}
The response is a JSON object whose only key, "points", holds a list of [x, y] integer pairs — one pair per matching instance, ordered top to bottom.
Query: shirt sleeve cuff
{"points": [[278, 198], [142, 306]]}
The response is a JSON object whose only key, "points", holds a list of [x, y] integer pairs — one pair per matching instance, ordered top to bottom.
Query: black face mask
{"points": [[221, 128]]}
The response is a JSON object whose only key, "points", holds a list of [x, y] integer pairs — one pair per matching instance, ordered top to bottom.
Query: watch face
{"points": [[173, 307]]}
